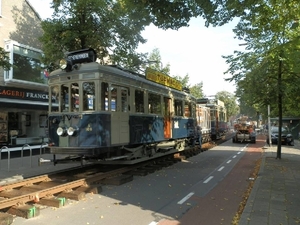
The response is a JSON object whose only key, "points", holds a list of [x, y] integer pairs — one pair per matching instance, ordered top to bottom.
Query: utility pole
{"points": [[279, 108], [269, 127]]}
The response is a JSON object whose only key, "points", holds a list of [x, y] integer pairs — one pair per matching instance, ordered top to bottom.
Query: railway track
{"points": [[24, 198]]}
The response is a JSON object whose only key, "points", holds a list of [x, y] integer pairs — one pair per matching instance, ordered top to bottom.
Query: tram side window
{"points": [[88, 96], [104, 96], [75, 97], [64, 98], [113, 99], [124, 100], [139, 101], [154, 103], [178, 107], [187, 109], [193, 110]]}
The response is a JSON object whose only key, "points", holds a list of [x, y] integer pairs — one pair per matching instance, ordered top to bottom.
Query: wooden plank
{"points": [[90, 189], [73, 195], [53, 202], [26, 211], [6, 219]]}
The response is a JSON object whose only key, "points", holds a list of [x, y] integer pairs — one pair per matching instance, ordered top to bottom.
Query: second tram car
{"points": [[107, 113], [217, 117], [204, 122]]}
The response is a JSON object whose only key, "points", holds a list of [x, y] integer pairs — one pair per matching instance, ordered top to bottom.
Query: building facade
{"points": [[23, 89]]}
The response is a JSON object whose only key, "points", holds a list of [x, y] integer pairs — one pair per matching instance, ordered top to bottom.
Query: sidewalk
{"points": [[19, 168], [275, 197]]}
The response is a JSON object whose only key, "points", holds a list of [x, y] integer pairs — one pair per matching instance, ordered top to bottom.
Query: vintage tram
{"points": [[105, 113], [218, 116]]}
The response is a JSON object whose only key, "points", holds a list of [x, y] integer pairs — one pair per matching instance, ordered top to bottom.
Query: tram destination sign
{"points": [[163, 79]]}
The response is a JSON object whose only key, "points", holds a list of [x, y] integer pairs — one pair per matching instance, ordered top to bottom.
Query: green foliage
{"points": [[175, 14], [114, 31], [271, 37], [4, 59], [155, 62], [196, 90], [230, 103]]}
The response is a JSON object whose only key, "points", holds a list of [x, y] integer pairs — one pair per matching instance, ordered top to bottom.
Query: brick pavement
{"points": [[275, 198]]}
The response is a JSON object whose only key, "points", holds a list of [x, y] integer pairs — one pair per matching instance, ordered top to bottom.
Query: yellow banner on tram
{"points": [[163, 79]]}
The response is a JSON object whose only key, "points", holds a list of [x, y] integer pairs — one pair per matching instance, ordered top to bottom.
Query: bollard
{"points": [[44, 143], [26, 145], [8, 157]]}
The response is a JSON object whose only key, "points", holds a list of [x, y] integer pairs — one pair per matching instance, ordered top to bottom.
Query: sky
{"points": [[195, 50]]}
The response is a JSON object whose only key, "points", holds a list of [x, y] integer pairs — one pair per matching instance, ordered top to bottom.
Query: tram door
{"points": [[119, 115], [167, 117]]}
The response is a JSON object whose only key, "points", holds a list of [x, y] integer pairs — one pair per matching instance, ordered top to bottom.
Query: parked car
{"points": [[286, 136]]}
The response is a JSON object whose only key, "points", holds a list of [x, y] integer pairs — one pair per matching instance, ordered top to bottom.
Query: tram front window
{"points": [[88, 95], [75, 97], [54, 98], [64, 98], [69, 98]]}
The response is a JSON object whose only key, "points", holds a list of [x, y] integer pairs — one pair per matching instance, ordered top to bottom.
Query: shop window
{"points": [[27, 65], [88, 95], [139, 101], [154, 103], [43, 119], [28, 120]]}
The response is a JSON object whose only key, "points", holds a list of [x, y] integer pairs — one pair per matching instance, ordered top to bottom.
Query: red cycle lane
{"points": [[223, 202]]}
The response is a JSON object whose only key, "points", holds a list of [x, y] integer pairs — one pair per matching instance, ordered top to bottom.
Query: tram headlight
{"points": [[63, 64], [66, 65], [61, 131], [72, 131]]}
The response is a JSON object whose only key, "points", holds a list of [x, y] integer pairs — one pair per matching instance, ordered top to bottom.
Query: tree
{"points": [[175, 14], [108, 27], [4, 59], [155, 62], [268, 67], [196, 89], [230, 103]]}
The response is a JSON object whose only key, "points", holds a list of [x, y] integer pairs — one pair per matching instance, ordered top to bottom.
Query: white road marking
{"points": [[239, 153], [234, 156], [229, 161], [221, 168], [208, 179], [185, 198], [153, 223]]}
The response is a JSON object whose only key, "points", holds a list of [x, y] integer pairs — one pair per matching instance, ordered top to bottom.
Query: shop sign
{"points": [[23, 94]]}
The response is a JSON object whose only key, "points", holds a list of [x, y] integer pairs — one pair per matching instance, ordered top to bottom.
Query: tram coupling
{"points": [[61, 161]]}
